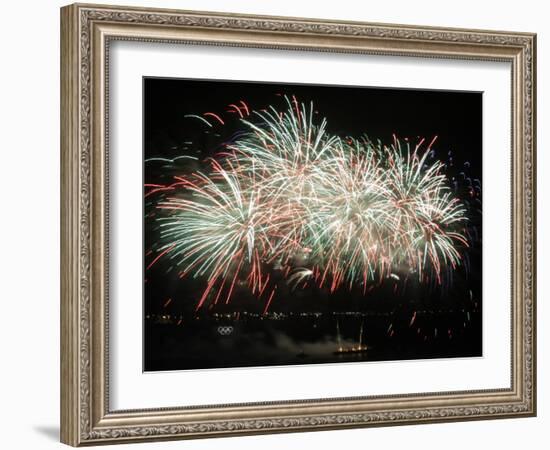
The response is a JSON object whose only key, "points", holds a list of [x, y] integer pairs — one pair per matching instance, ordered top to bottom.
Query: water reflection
{"points": [[220, 341]]}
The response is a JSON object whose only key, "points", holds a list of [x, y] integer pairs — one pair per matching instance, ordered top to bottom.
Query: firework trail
{"points": [[287, 196]]}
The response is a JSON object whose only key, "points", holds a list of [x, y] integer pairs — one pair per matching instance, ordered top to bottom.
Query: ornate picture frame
{"points": [[86, 34]]}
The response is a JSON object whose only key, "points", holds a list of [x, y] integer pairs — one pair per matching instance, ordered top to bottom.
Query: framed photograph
{"points": [[275, 224]]}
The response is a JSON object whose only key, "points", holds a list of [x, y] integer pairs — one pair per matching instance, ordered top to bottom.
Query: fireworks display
{"points": [[287, 202]]}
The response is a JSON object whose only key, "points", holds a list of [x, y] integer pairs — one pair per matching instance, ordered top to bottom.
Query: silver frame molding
{"points": [[86, 31]]}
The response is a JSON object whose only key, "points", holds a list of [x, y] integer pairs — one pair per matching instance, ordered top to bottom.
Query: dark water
{"points": [[174, 343]]}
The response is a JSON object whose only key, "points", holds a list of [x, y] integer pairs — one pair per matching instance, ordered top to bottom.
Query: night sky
{"points": [[183, 339]]}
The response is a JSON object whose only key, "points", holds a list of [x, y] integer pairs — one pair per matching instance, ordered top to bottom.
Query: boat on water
{"points": [[358, 348]]}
